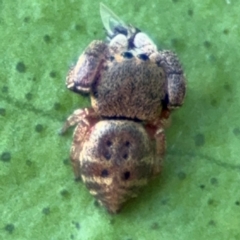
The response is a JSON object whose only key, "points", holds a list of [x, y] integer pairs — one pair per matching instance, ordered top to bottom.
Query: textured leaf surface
{"points": [[196, 197]]}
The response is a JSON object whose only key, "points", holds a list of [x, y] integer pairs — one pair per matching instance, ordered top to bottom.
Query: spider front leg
{"points": [[81, 77]]}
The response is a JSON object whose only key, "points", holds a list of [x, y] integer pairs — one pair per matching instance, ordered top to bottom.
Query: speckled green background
{"points": [[196, 197]]}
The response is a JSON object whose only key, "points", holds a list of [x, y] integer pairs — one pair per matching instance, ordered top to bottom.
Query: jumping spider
{"points": [[119, 143]]}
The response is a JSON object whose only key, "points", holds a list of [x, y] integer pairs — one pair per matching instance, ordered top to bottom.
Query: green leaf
{"points": [[196, 197]]}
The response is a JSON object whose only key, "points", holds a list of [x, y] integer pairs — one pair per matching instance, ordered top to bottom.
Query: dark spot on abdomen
{"points": [[104, 173], [126, 175]]}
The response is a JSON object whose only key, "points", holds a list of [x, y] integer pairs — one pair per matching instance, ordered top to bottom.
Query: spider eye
{"points": [[127, 55], [143, 57]]}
